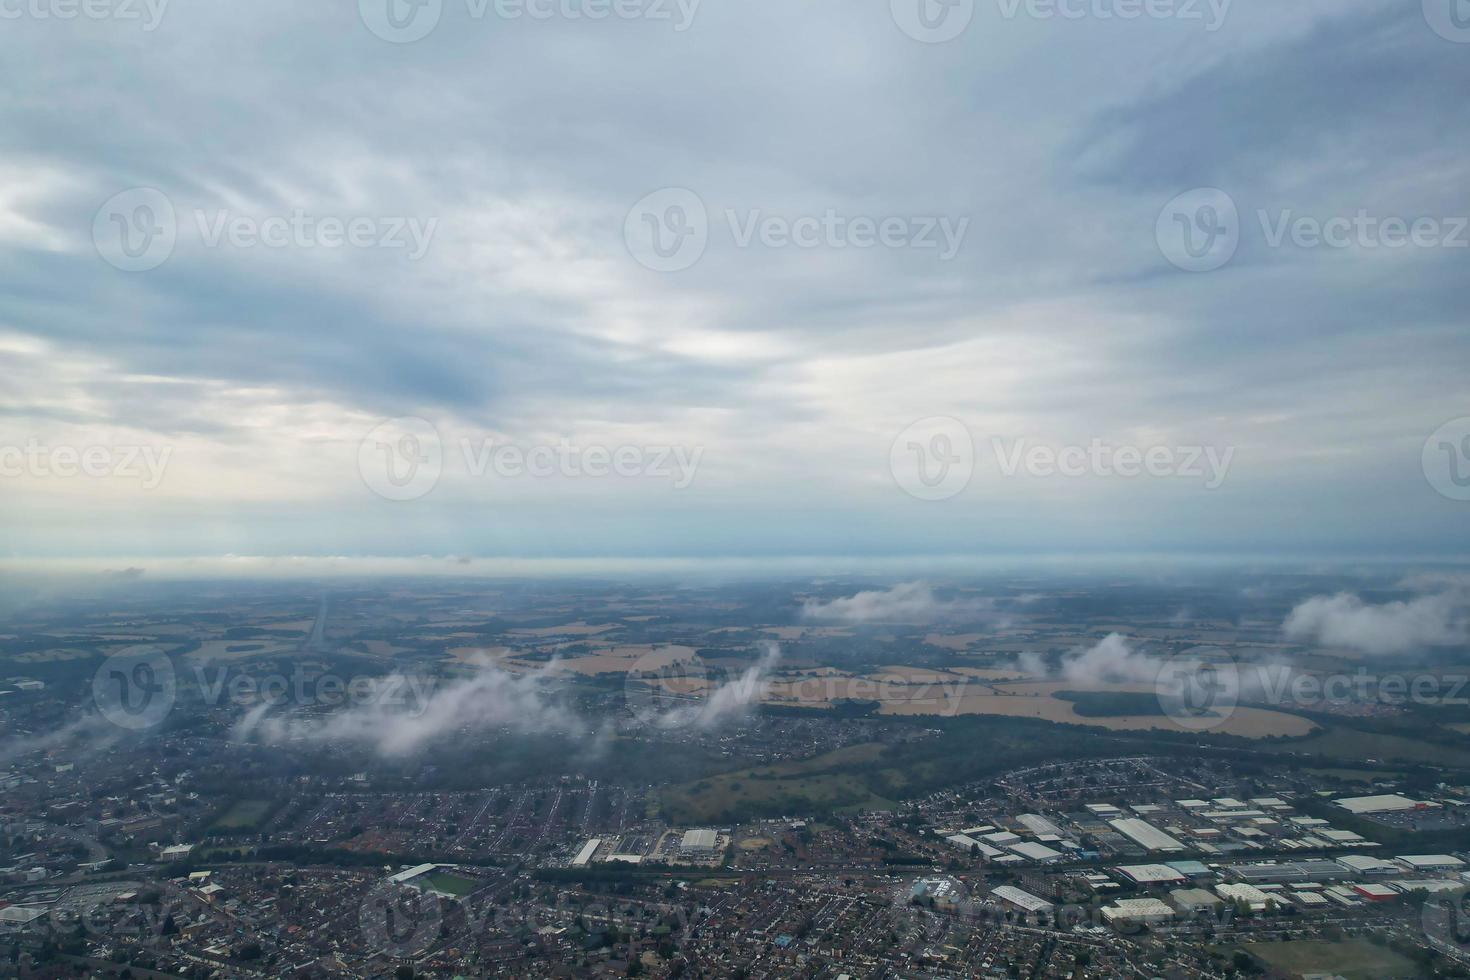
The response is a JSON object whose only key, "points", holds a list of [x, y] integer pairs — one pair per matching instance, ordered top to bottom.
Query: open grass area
{"points": [[1359, 746], [1350, 774], [825, 782], [244, 815], [451, 884], [1353, 959]]}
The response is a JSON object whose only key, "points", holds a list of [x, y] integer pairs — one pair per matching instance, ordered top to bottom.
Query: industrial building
{"points": [[1381, 804], [1145, 834], [700, 842], [1036, 852], [585, 854], [1430, 862], [1152, 874], [1255, 899], [1025, 901], [1137, 911]]}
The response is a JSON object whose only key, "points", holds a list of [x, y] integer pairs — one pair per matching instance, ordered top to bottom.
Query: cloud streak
{"points": [[908, 602], [730, 701], [405, 714]]}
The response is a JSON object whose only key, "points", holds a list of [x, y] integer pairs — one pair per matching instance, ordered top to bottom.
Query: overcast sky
{"points": [[894, 275]]}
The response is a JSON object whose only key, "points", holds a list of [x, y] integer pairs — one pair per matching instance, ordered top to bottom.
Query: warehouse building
{"points": [[1381, 804], [1038, 824], [1145, 834], [700, 842], [1037, 852], [585, 854], [1430, 862], [1362, 864], [1152, 874], [1254, 899], [1025, 901], [1195, 901], [1137, 911]]}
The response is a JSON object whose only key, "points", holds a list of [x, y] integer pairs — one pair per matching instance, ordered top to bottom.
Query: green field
{"points": [[1359, 747], [1356, 775], [824, 782], [244, 815], [451, 884], [1353, 959]]}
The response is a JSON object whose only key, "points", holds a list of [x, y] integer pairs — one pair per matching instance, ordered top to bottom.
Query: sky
{"points": [[733, 280]]}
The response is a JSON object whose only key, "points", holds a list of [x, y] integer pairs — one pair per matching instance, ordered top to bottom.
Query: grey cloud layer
{"points": [[528, 142]]}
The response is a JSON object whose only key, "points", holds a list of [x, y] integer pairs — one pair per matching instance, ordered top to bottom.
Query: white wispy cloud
{"points": [[909, 602], [1402, 626]]}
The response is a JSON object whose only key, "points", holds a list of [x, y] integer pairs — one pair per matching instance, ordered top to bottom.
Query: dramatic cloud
{"points": [[262, 367], [910, 602], [1345, 620], [1111, 661], [730, 700], [403, 713]]}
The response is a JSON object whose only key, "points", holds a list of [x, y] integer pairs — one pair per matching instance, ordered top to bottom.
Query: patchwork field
{"points": [[809, 782], [1352, 959]]}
